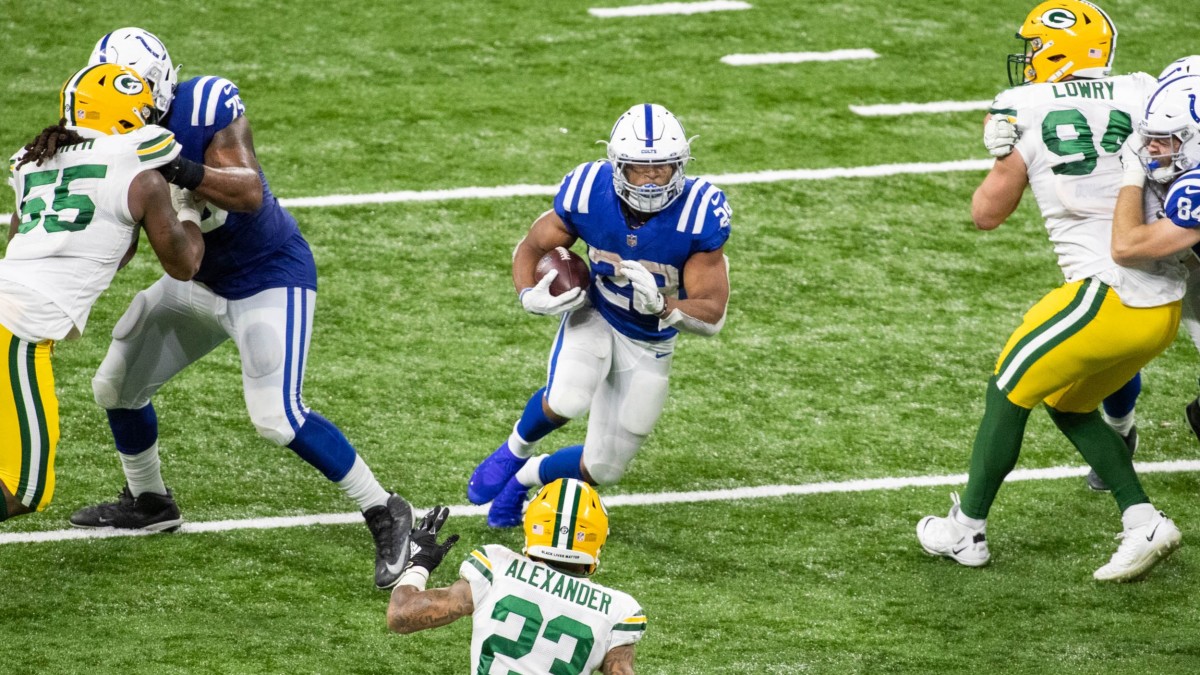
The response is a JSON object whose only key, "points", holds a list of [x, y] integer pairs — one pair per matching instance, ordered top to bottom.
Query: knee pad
{"points": [[131, 322], [261, 350], [569, 402], [274, 428], [604, 472]]}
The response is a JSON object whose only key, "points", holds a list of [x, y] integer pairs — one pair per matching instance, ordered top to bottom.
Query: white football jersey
{"points": [[1071, 134], [75, 228], [531, 619]]}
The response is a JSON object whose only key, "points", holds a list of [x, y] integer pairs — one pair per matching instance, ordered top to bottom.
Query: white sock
{"points": [[1121, 425], [519, 446], [143, 471], [530, 474], [361, 486], [1137, 515], [973, 523]]}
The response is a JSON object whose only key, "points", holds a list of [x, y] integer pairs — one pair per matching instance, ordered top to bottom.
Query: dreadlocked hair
{"points": [[48, 142]]}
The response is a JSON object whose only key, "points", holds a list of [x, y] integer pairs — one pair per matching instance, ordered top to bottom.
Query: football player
{"points": [[83, 188], [655, 240], [256, 285], [1085, 339], [534, 612]]}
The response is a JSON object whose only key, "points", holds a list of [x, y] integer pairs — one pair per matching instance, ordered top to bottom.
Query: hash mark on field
{"points": [[668, 8], [797, 57], [892, 109], [654, 498]]}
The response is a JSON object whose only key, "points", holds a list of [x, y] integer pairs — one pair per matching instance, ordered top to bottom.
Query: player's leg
{"points": [[1191, 322], [167, 327], [272, 330], [578, 361], [1118, 412], [28, 426]]}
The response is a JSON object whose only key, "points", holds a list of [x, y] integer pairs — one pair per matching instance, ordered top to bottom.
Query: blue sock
{"points": [[1120, 403], [534, 424], [133, 430], [323, 445], [562, 464]]}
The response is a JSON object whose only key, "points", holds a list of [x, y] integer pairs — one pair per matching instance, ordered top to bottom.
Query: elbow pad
{"points": [[690, 324]]}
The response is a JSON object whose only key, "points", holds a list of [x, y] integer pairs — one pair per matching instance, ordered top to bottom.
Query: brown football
{"points": [[572, 270]]}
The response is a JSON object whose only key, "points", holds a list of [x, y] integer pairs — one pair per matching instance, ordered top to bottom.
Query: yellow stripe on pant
{"points": [[1079, 344], [28, 420]]}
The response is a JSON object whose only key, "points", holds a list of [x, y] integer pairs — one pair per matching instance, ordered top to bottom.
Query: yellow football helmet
{"points": [[1063, 38], [108, 98], [566, 523]]}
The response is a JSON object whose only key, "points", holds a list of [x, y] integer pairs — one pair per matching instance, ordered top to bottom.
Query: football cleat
{"points": [[1131, 443], [492, 474], [508, 506], [148, 512], [391, 527], [949, 538], [1141, 549]]}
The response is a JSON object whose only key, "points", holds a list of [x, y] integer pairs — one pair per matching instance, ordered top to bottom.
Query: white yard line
{"points": [[660, 9], [797, 57], [892, 109], [748, 178], [654, 498]]}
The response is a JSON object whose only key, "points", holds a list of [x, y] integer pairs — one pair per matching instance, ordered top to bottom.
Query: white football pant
{"points": [[174, 323], [622, 381]]}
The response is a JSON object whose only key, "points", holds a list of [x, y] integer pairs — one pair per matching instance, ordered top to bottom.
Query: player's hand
{"points": [[1000, 135], [1133, 172], [187, 204], [646, 297], [537, 299], [427, 553]]}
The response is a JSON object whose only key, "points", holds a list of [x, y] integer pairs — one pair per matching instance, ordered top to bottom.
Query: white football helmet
{"points": [[143, 52], [1188, 65], [1173, 119], [648, 134]]}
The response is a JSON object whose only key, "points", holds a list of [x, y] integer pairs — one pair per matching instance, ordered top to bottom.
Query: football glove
{"points": [[1000, 135], [1133, 173], [187, 204], [646, 297], [537, 299], [425, 552]]}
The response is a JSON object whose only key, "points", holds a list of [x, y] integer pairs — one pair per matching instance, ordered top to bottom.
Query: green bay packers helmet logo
{"points": [[1058, 18], [128, 84]]}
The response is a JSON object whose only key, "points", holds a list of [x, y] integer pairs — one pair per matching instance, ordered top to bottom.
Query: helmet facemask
{"points": [[648, 135]]}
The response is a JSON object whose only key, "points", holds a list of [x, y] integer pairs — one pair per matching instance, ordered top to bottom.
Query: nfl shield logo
{"points": [[631, 240]]}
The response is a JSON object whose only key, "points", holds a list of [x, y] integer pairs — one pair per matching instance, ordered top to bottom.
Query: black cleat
{"points": [[1193, 416], [1131, 443], [148, 511], [390, 526]]}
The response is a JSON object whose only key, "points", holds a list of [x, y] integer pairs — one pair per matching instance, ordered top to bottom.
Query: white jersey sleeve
{"points": [[531, 618]]}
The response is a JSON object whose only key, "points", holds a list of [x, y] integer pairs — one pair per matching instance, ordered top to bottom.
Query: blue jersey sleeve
{"points": [[202, 107], [574, 198], [1182, 205], [710, 220]]}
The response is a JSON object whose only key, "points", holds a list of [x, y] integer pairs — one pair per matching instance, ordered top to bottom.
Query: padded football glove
{"points": [[1000, 135], [1133, 172], [646, 297], [537, 299], [426, 552]]}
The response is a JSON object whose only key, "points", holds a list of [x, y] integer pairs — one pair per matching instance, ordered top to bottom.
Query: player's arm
{"points": [[229, 176], [1000, 192], [13, 223], [547, 232], [1134, 242], [178, 243], [706, 278], [412, 609], [618, 661]]}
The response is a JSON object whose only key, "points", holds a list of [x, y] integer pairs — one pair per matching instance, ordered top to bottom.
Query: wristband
{"points": [[183, 172], [665, 312], [414, 576]]}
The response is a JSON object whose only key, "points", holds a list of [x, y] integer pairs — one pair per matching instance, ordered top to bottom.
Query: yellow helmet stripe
{"points": [[68, 93], [568, 512]]}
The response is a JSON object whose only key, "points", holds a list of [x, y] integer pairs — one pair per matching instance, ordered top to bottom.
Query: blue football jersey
{"points": [[1182, 205], [697, 221], [250, 252]]}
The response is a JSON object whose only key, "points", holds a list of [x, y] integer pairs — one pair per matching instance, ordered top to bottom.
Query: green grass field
{"points": [[865, 319]]}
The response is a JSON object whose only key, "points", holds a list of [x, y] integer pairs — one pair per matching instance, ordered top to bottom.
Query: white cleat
{"points": [[949, 538], [1141, 549]]}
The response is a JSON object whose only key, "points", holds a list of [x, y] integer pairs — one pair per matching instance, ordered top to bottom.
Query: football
{"points": [[572, 270]]}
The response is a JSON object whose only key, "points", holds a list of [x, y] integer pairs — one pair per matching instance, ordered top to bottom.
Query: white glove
{"points": [[1000, 135], [1133, 173], [187, 204], [646, 297], [537, 299]]}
